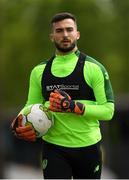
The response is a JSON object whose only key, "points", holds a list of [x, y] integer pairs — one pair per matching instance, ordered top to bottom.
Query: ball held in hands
{"points": [[22, 132]]}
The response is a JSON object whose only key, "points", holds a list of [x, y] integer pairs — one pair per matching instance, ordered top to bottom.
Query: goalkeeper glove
{"points": [[60, 101], [22, 132]]}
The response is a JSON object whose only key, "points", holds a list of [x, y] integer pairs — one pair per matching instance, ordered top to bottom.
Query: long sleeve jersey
{"points": [[70, 129]]}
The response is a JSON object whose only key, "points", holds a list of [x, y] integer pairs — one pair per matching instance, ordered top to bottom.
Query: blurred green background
{"points": [[24, 42]]}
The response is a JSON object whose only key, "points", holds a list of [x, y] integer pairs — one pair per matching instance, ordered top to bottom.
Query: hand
{"points": [[60, 101], [23, 132]]}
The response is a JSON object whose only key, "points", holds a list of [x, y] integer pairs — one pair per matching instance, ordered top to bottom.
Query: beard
{"points": [[65, 49]]}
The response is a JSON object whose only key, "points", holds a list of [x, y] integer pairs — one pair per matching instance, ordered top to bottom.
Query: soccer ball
{"points": [[39, 117]]}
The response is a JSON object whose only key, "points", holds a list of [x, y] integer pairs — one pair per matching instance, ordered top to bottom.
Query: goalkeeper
{"points": [[77, 89]]}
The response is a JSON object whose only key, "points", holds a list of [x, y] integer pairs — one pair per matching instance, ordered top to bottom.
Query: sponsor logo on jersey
{"points": [[62, 87]]}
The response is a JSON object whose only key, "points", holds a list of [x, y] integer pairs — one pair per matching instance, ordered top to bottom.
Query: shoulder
{"points": [[94, 64], [40, 66], [37, 70], [94, 71]]}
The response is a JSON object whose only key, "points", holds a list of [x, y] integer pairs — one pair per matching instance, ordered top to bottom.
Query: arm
{"points": [[97, 78], [35, 89], [34, 96], [101, 112]]}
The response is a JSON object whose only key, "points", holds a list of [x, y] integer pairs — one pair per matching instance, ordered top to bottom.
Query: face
{"points": [[65, 35]]}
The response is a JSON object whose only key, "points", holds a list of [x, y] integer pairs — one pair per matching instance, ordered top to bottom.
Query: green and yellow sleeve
{"points": [[98, 79]]}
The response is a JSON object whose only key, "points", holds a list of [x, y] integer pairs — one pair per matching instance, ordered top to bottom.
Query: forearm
{"points": [[100, 112]]}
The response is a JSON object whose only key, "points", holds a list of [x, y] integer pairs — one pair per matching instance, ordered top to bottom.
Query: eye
{"points": [[70, 29], [59, 30]]}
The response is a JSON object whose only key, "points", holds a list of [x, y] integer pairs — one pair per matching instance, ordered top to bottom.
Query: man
{"points": [[77, 89]]}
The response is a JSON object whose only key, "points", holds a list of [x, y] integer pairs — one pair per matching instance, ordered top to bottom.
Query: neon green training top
{"points": [[70, 129]]}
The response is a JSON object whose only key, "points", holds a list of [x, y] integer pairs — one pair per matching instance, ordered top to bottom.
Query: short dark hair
{"points": [[61, 16]]}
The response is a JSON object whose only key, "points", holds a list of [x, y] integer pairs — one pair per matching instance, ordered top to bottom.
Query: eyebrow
{"points": [[68, 28]]}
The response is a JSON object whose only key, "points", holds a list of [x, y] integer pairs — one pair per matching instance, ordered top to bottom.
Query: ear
{"points": [[78, 35], [51, 37]]}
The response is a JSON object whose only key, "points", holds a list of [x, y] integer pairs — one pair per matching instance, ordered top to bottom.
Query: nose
{"points": [[65, 33]]}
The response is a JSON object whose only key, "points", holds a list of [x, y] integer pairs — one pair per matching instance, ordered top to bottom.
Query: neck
{"points": [[65, 53]]}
